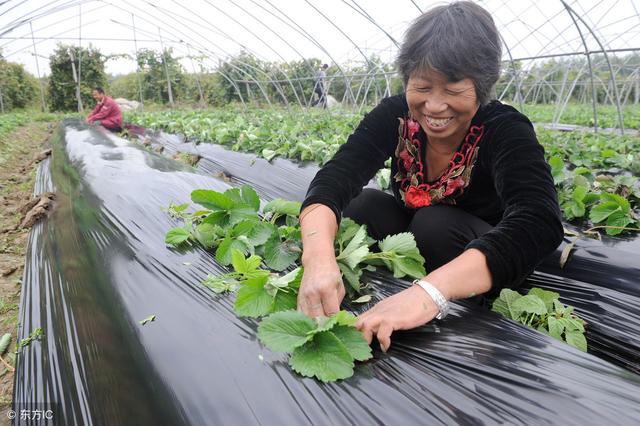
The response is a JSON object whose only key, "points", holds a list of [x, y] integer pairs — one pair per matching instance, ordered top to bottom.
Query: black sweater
{"points": [[510, 188]]}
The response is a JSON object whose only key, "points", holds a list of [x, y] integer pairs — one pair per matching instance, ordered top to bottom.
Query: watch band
{"points": [[438, 298]]}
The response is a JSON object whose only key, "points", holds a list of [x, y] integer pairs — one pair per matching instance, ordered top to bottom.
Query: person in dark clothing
{"points": [[320, 86], [469, 180]]}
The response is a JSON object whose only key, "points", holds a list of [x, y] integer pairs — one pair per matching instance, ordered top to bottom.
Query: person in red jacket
{"points": [[106, 113]]}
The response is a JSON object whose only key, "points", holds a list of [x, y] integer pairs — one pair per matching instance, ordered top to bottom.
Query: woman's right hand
{"points": [[322, 289]]}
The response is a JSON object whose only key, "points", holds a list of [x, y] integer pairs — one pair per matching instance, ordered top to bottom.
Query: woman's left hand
{"points": [[408, 309]]}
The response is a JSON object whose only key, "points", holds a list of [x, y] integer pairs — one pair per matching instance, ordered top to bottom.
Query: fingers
{"points": [[320, 296], [314, 309], [373, 323], [384, 336]]}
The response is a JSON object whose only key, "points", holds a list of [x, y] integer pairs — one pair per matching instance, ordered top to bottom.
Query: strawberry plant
{"points": [[597, 162], [614, 211], [229, 223], [542, 310], [325, 348]]}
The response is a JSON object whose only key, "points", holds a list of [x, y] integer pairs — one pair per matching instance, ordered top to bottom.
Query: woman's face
{"points": [[443, 108]]}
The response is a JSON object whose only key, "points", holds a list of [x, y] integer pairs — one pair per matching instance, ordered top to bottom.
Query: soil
{"points": [[20, 153]]}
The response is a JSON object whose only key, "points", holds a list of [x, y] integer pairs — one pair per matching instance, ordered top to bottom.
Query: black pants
{"points": [[322, 96], [442, 232]]}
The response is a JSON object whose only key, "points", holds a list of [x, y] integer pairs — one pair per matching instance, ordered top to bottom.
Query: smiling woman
{"points": [[469, 180]]}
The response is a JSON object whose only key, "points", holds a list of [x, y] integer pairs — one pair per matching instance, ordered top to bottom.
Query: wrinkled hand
{"points": [[322, 289], [408, 309]]}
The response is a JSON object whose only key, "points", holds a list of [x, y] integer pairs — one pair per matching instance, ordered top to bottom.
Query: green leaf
{"points": [[608, 153], [268, 154], [557, 169], [581, 171], [383, 178], [579, 193], [250, 197], [615, 198], [211, 200], [180, 207], [283, 207], [573, 209], [602, 211], [239, 213], [217, 218], [619, 219], [348, 228], [256, 231], [207, 235], [177, 236], [356, 243], [398, 243], [226, 248], [278, 254], [354, 257], [239, 262], [406, 266], [352, 276], [292, 279], [220, 284], [547, 296], [252, 299], [362, 299], [284, 301], [504, 304], [530, 304], [341, 318], [148, 320], [572, 324], [556, 328], [285, 331], [577, 340], [354, 342], [4, 343], [324, 357]]}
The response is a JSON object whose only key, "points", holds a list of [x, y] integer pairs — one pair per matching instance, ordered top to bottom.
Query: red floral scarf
{"points": [[414, 191]]}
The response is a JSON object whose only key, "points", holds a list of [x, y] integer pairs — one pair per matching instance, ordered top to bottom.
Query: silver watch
{"points": [[438, 298]]}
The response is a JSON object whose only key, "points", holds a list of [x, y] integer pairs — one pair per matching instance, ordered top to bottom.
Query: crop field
{"points": [[596, 174]]}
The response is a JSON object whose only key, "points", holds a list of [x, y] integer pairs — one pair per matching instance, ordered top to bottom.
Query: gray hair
{"points": [[459, 40]]}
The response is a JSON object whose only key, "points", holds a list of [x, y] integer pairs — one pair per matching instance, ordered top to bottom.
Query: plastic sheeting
{"points": [[99, 265], [601, 278]]}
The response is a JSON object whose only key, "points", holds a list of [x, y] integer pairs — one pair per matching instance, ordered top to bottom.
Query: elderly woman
{"points": [[470, 180]]}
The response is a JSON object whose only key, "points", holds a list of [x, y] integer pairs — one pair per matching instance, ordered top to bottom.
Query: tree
{"points": [[88, 62], [154, 75], [125, 86], [17, 87]]}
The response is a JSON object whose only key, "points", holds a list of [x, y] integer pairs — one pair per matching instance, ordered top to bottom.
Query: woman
{"points": [[469, 180]]}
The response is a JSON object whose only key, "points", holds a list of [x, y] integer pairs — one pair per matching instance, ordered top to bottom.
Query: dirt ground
{"points": [[19, 156]]}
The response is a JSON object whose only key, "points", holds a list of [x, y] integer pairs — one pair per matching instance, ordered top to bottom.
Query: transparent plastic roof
{"points": [[335, 31]]}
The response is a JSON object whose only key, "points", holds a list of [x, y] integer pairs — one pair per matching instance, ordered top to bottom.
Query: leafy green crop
{"points": [[597, 162], [230, 223], [266, 294], [542, 310], [36, 334], [325, 348]]}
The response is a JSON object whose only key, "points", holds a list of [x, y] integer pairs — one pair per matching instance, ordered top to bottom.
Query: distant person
{"points": [[320, 86], [106, 113]]}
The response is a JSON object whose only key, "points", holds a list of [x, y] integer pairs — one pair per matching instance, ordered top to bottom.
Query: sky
{"points": [[335, 31]]}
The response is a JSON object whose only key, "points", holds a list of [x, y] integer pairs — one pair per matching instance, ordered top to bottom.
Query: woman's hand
{"points": [[321, 290], [408, 309]]}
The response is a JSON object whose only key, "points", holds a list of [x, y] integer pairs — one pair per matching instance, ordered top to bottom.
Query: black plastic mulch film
{"points": [[99, 265]]}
